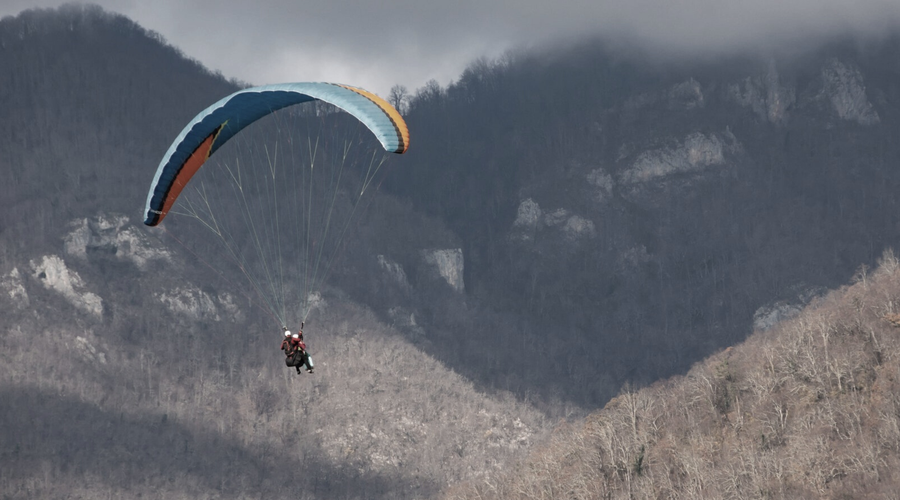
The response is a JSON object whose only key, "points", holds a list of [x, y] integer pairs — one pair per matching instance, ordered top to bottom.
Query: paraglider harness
{"points": [[295, 350]]}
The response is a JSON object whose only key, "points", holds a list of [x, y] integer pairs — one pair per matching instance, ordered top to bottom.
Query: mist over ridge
{"points": [[409, 43]]}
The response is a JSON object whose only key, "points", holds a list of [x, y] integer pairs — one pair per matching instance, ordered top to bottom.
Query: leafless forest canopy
{"points": [[809, 409]]}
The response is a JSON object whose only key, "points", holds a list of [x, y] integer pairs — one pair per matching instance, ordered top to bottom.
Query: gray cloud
{"points": [[378, 44]]}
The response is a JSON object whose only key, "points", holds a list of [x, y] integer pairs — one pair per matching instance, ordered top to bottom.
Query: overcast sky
{"points": [[377, 44]]}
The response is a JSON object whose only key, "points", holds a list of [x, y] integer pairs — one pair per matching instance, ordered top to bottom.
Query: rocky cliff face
{"points": [[844, 88], [765, 94], [695, 152], [530, 219], [112, 234], [449, 264], [394, 271], [51, 272], [190, 301]]}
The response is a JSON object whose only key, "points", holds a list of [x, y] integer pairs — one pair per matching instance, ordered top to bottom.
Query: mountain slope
{"points": [[89, 99], [632, 217], [569, 222], [128, 369], [809, 409]]}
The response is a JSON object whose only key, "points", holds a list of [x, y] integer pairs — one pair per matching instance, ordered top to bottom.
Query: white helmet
{"points": [[287, 333], [296, 336]]}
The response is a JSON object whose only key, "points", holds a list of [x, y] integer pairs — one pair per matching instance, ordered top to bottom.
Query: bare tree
{"points": [[399, 98]]}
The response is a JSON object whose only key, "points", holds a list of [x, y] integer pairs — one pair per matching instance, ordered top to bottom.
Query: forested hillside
{"points": [[88, 99], [630, 216], [566, 223], [130, 369], [808, 409]]}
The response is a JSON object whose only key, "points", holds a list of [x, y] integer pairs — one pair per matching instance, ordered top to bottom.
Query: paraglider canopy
{"points": [[218, 123], [280, 194], [280, 202]]}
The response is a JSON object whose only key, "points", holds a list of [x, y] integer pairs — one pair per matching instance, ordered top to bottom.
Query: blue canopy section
{"points": [[221, 121]]}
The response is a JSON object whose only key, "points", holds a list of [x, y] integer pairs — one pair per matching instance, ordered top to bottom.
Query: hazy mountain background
{"points": [[634, 215], [566, 221]]}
